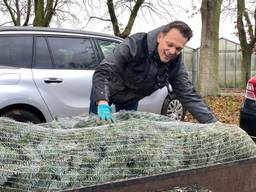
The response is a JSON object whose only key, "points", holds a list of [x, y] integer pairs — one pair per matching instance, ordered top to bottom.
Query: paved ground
{"points": [[232, 92]]}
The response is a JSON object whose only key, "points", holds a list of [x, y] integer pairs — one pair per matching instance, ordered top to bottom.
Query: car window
{"points": [[107, 46], [16, 51], [72, 53], [43, 59]]}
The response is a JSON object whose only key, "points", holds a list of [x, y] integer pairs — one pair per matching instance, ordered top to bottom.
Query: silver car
{"points": [[47, 73]]}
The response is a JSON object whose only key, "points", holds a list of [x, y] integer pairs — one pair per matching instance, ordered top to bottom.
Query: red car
{"points": [[248, 109]]}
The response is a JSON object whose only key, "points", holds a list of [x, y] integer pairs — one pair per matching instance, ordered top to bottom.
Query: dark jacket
{"points": [[134, 71]]}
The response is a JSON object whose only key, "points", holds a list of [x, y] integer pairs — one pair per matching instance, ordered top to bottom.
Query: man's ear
{"points": [[159, 36]]}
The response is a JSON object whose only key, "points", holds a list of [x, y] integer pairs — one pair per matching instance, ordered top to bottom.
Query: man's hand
{"points": [[104, 113]]}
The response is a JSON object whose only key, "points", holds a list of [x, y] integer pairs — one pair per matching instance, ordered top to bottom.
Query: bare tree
{"points": [[17, 9], [116, 9], [40, 12], [44, 13], [131, 20], [247, 37], [209, 52]]}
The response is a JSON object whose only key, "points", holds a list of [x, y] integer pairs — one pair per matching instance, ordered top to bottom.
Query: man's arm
{"points": [[112, 67], [194, 103]]}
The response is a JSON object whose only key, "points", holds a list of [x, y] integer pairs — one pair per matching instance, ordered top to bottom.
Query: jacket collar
{"points": [[152, 39]]}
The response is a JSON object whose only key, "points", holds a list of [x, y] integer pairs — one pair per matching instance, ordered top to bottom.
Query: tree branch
{"points": [[29, 5], [11, 12], [17, 12], [48, 12], [94, 17], [113, 17], [132, 18], [6, 23], [240, 24], [250, 30]]}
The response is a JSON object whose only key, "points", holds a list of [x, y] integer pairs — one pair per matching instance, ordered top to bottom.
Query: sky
{"points": [[145, 23], [226, 28]]}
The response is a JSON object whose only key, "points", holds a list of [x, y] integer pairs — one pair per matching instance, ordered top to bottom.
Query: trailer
{"points": [[138, 156], [235, 176]]}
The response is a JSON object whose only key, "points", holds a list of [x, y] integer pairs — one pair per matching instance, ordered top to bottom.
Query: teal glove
{"points": [[105, 112]]}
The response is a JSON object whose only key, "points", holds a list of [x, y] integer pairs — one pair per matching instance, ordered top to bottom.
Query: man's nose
{"points": [[172, 50]]}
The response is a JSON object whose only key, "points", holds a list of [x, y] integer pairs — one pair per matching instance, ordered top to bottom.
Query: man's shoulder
{"points": [[140, 34], [138, 37], [137, 43]]}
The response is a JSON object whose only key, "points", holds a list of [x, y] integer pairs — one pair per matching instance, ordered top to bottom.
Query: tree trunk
{"points": [[49, 11], [39, 12], [44, 13], [132, 17], [114, 21], [246, 47], [246, 67], [208, 83]]}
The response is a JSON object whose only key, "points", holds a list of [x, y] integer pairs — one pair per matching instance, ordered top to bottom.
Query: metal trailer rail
{"points": [[235, 176]]}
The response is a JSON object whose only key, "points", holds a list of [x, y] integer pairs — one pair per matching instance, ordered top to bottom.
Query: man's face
{"points": [[170, 44]]}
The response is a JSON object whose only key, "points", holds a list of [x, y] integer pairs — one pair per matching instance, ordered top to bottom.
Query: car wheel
{"points": [[173, 108], [22, 115]]}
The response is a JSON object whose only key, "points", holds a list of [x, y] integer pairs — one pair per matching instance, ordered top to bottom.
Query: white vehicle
{"points": [[47, 73]]}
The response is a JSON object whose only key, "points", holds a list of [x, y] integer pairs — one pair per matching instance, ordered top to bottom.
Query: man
{"points": [[141, 64]]}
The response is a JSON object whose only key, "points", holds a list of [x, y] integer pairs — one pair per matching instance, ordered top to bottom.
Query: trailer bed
{"points": [[235, 176]]}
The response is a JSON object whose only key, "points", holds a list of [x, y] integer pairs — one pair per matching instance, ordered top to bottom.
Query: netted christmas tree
{"points": [[76, 152]]}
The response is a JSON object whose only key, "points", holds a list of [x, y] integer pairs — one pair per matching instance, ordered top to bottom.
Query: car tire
{"points": [[173, 108], [22, 115]]}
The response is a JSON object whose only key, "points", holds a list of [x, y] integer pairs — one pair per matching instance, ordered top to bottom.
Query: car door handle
{"points": [[53, 80]]}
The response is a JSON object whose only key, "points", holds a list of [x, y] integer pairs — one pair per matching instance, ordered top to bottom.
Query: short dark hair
{"points": [[184, 29]]}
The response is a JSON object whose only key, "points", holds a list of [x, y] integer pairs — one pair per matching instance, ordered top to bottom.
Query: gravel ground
{"points": [[193, 188]]}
